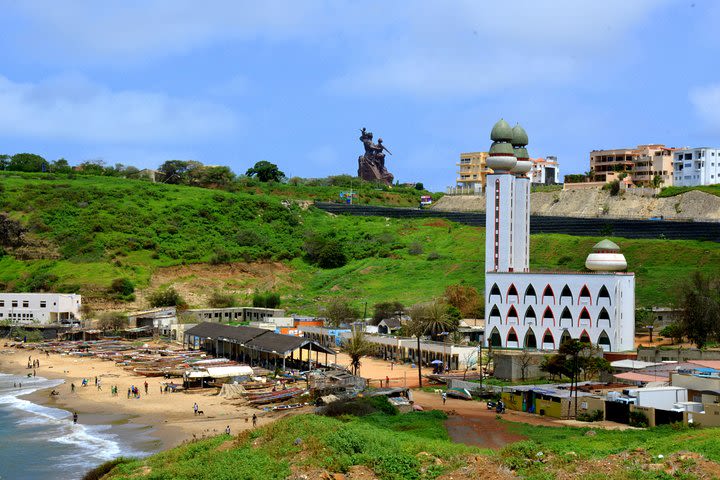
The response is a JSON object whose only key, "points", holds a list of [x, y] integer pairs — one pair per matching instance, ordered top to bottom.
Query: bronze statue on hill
{"points": [[371, 165]]}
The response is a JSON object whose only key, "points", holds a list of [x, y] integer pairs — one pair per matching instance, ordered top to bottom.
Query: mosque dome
{"points": [[501, 132], [519, 136], [521, 153], [501, 157], [522, 166], [606, 257]]}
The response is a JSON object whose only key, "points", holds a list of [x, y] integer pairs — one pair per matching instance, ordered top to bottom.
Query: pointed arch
{"points": [[495, 292], [512, 294], [530, 294], [547, 294], [566, 296], [604, 296], [585, 298], [494, 316], [512, 316], [547, 316], [530, 317], [603, 317], [566, 319], [584, 319], [565, 336], [584, 337], [495, 338], [530, 340], [548, 340], [511, 341], [604, 341]]}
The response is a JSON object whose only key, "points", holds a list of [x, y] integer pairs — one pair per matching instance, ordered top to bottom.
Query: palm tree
{"points": [[427, 319], [357, 347]]}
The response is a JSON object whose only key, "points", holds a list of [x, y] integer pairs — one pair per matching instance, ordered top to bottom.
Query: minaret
{"points": [[499, 201], [521, 202]]}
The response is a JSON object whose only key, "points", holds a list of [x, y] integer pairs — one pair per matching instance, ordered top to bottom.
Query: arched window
{"points": [[495, 291], [512, 294], [530, 294], [548, 295], [566, 296], [604, 296], [585, 298], [495, 315], [512, 316], [530, 317], [548, 317], [566, 318], [603, 318], [584, 320], [565, 336], [584, 337], [495, 339], [512, 339], [530, 340], [604, 341], [548, 342]]}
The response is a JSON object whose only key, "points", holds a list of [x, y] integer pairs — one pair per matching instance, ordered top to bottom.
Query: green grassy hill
{"points": [[84, 232]]}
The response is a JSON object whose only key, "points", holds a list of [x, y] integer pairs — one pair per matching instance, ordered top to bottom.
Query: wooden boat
{"points": [[149, 372], [459, 393], [277, 396]]}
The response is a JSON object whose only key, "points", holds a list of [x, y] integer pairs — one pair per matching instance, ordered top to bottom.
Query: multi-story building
{"points": [[642, 163], [696, 166], [545, 171], [472, 173], [42, 308], [540, 310]]}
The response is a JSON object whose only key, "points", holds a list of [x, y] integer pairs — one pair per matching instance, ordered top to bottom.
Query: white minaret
{"points": [[521, 202], [499, 221]]}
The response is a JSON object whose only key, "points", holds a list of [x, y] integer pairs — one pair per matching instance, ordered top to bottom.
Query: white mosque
{"points": [[531, 310]]}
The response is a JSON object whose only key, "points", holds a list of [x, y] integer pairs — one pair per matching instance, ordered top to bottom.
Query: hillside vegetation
{"points": [[84, 232], [416, 446]]}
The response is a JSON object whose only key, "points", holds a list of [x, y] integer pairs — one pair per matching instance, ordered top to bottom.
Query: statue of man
{"points": [[379, 152]]}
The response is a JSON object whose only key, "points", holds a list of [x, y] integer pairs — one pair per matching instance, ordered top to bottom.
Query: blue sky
{"points": [[231, 83]]}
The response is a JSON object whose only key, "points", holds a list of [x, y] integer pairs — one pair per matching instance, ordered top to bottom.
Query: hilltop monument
{"points": [[371, 165]]}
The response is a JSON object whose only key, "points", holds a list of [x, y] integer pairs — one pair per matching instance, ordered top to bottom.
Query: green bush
{"points": [[122, 287], [166, 298], [222, 300], [266, 300], [591, 416], [638, 419], [103, 469]]}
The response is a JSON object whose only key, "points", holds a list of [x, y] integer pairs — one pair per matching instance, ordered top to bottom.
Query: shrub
{"points": [[415, 248], [220, 256], [122, 287], [166, 298], [222, 300], [266, 300], [360, 406], [592, 416], [638, 419], [103, 469]]}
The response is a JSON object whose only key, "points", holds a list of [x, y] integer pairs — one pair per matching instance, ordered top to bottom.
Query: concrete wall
{"points": [[675, 354], [508, 365], [711, 417]]}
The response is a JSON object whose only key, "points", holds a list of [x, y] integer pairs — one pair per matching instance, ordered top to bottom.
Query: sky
{"points": [[292, 82]]}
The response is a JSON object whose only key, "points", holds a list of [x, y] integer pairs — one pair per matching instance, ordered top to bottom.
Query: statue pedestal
{"points": [[369, 170]]}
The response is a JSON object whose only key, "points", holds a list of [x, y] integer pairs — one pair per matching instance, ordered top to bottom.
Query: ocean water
{"points": [[39, 442]]}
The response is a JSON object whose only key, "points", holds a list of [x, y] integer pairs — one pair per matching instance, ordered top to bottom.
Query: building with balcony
{"points": [[642, 163], [696, 166], [545, 171], [472, 172], [40, 308]]}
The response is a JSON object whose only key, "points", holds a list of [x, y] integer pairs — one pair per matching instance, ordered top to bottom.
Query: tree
{"points": [[4, 161], [27, 162], [60, 166], [178, 171], [265, 172], [656, 181], [419, 186], [324, 250], [122, 286], [166, 298], [467, 299], [222, 300], [266, 300], [700, 305], [384, 310], [338, 311], [426, 319], [112, 321], [673, 331], [357, 347], [571, 350], [525, 360], [554, 365]]}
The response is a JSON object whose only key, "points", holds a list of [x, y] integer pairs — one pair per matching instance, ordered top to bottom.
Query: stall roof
{"points": [[239, 334], [284, 344], [632, 364], [230, 371], [639, 377]]}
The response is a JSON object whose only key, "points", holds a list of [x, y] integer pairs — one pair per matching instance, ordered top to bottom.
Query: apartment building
{"points": [[642, 163], [696, 166], [472, 171], [545, 171], [42, 308]]}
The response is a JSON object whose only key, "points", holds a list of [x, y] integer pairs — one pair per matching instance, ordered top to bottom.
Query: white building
{"points": [[696, 166], [545, 171], [42, 308], [539, 310]]}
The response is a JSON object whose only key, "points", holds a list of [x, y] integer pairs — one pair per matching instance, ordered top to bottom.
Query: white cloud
{"points": [[706, 101], [71, 107]]}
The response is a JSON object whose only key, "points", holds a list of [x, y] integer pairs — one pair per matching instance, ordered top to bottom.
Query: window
{"points": [[495, 290], [566, 296], [2, 303], [14, 303], [43, 303], [26, 304], [512, 316], [566, 318], [584, 318]]}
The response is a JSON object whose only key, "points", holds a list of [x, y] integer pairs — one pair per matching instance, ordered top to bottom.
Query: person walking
{"points": [[146, 387], [444, 397], [195, 408], [75, 417], [254, 420], [227, 430]]}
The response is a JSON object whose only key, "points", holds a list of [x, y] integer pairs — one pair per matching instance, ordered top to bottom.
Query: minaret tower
{"points": [[521, 202], [499, 220]]}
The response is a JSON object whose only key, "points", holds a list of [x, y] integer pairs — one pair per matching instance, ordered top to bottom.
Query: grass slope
{"points": [[672, 191], [88, 231]]}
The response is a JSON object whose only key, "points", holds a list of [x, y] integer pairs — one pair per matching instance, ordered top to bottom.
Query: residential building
{"points": [[642, 163], [696, 166], [545, 171], [472, 173], [40, 308], [539, 310], [232, 314]]}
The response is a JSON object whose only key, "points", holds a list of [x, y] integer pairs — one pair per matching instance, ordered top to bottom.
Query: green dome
{"points": [[501, 132], [519, 136], [501, 148], [521, 152], [606, 245]]}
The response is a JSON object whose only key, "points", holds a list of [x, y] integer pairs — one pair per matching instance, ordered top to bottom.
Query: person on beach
{"points": [[34, 372], [96, 380], [387, 381], [99, 386], [146, 387], [72, 388], [161, 389], [129, 390], [444, 397], [195, 408], [75, 417], [254, 420], [227, 430]]}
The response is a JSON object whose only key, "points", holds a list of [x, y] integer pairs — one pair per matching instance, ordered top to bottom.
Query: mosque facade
{"points": [[535, 310]]}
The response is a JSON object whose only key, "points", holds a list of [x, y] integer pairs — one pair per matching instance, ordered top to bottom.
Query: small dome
{"points": [[501, 132], [519, 136], [501, 148], [522, 153], [606, 246], [606, 257]]}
